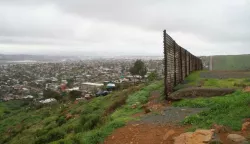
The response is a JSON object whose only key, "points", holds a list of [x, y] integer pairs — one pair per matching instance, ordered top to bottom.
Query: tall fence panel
{"points": [[178, 63]]}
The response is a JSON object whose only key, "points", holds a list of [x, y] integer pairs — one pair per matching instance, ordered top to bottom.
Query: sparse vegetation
{"points": [[153, 76]]}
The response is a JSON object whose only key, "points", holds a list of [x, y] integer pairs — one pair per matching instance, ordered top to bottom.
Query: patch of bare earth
{"points": [[247, 89], [149, 130], [145, 134]]}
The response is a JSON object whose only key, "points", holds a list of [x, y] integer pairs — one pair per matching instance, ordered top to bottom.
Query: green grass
{"points": [[194, 80], [191, 81], [226, 83], [2, 109], [227, 110], [121, 115], [96, 118], [116, 119]]}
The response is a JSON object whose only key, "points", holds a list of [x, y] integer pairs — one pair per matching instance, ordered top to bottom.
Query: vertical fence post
{"points": [[165, 61], [175, 63], [185, 63], [189, 64], [194, 64], [201, 65], [181, 72]]}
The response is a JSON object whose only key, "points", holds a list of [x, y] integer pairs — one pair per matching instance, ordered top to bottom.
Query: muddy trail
{"points": [[155, 127]]}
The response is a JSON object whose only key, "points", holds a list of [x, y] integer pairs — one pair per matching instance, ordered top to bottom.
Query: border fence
{"points": [[178, 63]]}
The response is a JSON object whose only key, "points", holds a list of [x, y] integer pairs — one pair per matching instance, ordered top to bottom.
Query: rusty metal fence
{"points": [[178, 63]]}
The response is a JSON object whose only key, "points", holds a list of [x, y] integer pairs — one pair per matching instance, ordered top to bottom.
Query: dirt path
{"points": [[170, 115], [152, 128], [144, 134]]}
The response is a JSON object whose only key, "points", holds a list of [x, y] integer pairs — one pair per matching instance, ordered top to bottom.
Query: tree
{"points": [[138, 68], [152, 76], [70, 82], [51, 94], [74, 94]]}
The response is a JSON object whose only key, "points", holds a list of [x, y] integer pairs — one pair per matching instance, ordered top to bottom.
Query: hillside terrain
{"points": [[139, 114], [222, 116], [83, 122]]}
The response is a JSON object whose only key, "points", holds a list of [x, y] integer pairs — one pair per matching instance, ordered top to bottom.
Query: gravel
{"points": [[171, 115]]}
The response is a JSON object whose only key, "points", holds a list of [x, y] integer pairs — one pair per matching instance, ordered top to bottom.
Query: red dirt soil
{"points": [[247, 89], [144, 134], [154, 134]]}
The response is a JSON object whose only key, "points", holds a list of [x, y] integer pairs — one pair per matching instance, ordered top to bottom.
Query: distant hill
{"points": [[38, 58], [228, 62]]}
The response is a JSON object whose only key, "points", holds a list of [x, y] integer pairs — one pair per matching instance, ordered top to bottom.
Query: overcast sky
{"points": [[123, 27]]}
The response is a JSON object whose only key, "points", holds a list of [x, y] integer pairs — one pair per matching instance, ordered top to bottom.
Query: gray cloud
{"points": [[214, 20], [131, 26]]}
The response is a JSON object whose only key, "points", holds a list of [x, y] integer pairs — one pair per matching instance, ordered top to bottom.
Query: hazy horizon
{"points": [[115, 27]]}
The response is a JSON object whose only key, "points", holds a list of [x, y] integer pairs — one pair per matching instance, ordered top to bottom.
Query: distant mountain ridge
{"points": [[22, 57]]}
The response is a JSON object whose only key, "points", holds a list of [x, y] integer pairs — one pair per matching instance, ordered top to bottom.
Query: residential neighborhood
{"points": [[90, 77]]}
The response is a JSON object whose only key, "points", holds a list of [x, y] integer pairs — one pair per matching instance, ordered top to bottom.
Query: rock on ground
{"points": [[246, 126], [221, 129], [168, 134], [197, 137], [236, 139]]}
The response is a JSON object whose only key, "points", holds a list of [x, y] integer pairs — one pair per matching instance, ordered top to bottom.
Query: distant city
{"points": [[27, 76]]}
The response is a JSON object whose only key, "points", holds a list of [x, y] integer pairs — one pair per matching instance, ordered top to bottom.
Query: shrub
{"points": [[152, 76], [52, 94], [74, 94], [118, 103], [7, 112], [46, 114], [61, 120], [90, 121], [40, 132], [51, 136]]}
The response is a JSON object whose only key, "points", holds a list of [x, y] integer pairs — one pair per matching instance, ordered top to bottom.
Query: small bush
{"points": [[52, 94], [74, 94], [118, 103], [6, 112], [46, 114], [61, 120], [90, 121], [51, 126], [71, 128], [41, 132], [51, 136]]}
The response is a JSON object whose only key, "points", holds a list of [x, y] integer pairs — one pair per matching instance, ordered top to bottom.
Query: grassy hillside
{"points": [[229, 62], [228, 110], [86, 122]]}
